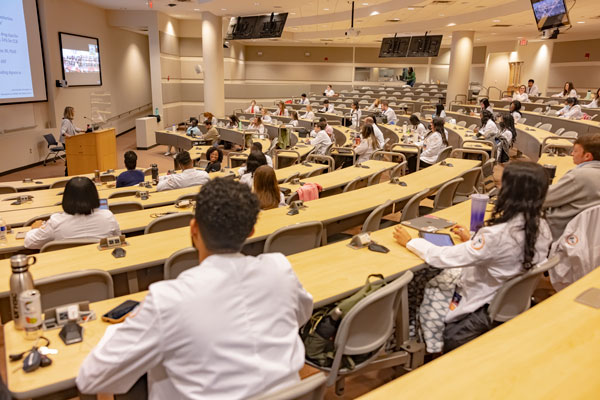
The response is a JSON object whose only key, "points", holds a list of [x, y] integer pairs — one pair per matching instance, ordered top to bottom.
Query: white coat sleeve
{"points": [[362, 147], [164, 184], [36, 238], [125, 354]]}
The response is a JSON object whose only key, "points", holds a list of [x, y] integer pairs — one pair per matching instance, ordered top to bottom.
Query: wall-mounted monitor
{"points": [[550, 14], [256, 27], [425, 46], [394, 47], [80, 58]]}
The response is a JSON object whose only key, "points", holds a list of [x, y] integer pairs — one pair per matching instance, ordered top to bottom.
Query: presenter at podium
{"points": [[68, 128]]}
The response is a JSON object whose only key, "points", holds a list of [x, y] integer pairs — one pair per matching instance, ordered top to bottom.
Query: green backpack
{"points": [[319, 332]]}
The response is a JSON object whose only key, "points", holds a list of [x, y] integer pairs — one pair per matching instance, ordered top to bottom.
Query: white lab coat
{"points": [[532, 91], [329, 92], [572, 93], [523, 98], [304, 101], [593, 104], [252, 109], [327, 109], [573, 112], [285, 113], [308, 115], [391, 116], [516, 116], [355, 117], [266, 118], [293, 122], [68, 128], [259, 128], [193, 130], [420, 130], [490, 130], [378, 136], [321, 141], [432, 147], [365, 149], [242, 170], [186, 178], [247, 179], [62, 226], [491, 258], [226, 329]]}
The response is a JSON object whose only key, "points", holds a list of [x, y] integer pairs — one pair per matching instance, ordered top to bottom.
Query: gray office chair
{"points": [[538, 110], [522, 120], [462, 123], [537, 125], [472, 126], [546, 127], [559, 131], [569, 134], [55, 148], [411, 149], [460, 152], [444, 154], [394, 156], [322, 159], [399, 170], [315, 172], [487, 176], [376, 177], [108, 178], [289, 178], [356, 183], [59, 184], [469, 185], [7, 190], [124, 193], [445, 195], [125, 206], [411, 208], [42, 217], [169, 221], [373, 221], [295, 238], [66, 244], [180, 261], [73, 287], [514, 296], [367, 328], [311, 388]]}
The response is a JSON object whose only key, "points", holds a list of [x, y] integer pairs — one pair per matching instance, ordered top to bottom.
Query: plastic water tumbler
{"points": [[478, 206]]}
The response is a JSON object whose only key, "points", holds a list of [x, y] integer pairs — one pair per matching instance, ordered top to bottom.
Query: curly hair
{"points": [[524, 188], [226, 212]]}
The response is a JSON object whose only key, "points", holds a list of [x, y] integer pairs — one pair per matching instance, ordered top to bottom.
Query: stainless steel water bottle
{"points": [[20, 280]]}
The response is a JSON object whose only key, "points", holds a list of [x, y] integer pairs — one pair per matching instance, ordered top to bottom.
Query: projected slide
{"points": [[548, 8], [80, 59], [15, 70]]}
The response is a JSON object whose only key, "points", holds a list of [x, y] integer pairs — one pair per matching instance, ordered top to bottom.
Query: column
{"points": [[212, 56], [461, 56], [155, 68]]}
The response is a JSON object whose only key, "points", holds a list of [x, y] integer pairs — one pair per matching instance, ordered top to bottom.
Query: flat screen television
{"points": [[550, 14], [256, 27], [425, 46], [394, 47], [80, 59]]}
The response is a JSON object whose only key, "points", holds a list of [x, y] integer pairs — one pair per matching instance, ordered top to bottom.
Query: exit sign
{"points": [[523, 42]]}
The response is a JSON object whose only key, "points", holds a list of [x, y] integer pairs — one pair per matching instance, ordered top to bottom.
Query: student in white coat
{"points": [[532, 89], [329, 91], [568, 91], [521, 95], [304, 100], [594, 103], [485, 105], [327, 107], [253, 108], [515, 109], [281, 110], [571, 110], [439, 111], [389, 113], [309, 114], [355, 115], [266, 118], [294, 119], [257, 124], [417, 127], [488, 129], [378, 134], [505, 138], [321, 141], [433, 144], [256, 146], [367, 146], [256, 159], [189, 176], [81, 219], [513, 240], [225, 329]]}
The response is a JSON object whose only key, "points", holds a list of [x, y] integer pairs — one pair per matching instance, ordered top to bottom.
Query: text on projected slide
{"points": [[15, 71]]}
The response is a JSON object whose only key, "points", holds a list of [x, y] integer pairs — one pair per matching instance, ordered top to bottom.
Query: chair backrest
{"points": [[538, 109], [522, 120], [462, 123], [537, 125], [472, 126], [546, 127], [559, 131], [570, 134], [50, 139], [458, 153], [444, 154], [319, 158], [399, 170], [376, 177], [108, 178], [289, 178], [470, 182], [59, 184], [354, 184], [7, 190], [123, 193], [444, 197], [125, 206], [411, 208], [43, 217], [169, 221], [373, 221], [295, 238], [66, 244], [180, 261], [73, 287], [514, 296], [369, 324], [311, 388]]}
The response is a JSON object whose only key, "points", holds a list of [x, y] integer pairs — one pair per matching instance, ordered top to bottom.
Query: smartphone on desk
{"points": [[103, 204], [121, 311]]}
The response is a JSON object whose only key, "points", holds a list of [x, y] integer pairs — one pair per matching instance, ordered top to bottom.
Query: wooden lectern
{"points": [[91, 151]]}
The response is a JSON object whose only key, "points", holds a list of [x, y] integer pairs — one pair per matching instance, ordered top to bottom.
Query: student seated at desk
{"points": [[532, 89], [329, 91], [568, 91], [521, 95], [304, 100], [594, 103], [376, 105], [485, 105], [253, 108], [327, 108], [281, 110], [515, 110], [571, 110], [439, 111], [389, 113], [309, 114], [355, 115], [210, 117], [266, 118], [294, 121], [234, 122], [257, 124], [417, 126], [193, 129], [328, 129], [488, 129], [377, 132], [212, 134], [506, 138], [321, 141], [433, 143], [256, 146], [367, 146], [215, 159], [255, 160], [132, 176], [189, 176], [266, 188], [579, 188], [82, 218], [516, 237], [226, 329]]}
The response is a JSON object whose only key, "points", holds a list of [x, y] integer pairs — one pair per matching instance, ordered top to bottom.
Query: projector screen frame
{"points": [[62, 63]]}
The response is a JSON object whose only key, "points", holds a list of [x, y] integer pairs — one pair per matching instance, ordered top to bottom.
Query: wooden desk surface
{"points": [[302, 148], [563, 164], [342, 176], [150, 250], [551, 351]]}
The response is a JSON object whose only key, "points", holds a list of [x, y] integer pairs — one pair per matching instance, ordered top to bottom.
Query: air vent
{"points": [[183, 1], [442, 2], [393, 20], [501, 26], [326, 40]]}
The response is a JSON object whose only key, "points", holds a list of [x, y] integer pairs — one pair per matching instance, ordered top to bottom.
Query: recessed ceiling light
{"points": [[365, 4], [410, 8], [196, 9], [223, 9], [326, 9], [292, 13], [374, 13], [441, 15], [496, 20], [581, 22], [451, 24]]}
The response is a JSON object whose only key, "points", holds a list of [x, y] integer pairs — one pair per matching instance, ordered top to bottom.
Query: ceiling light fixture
{"points": [[365, 4], [410, 8], [326, 9], [374, 13], [496, 20], [581, 22], [451, 24]]}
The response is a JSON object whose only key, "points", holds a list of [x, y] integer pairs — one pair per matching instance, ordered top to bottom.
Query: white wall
{"points": [[536, 57]]}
